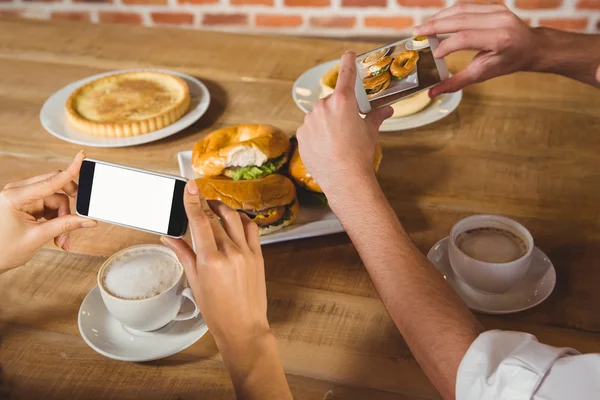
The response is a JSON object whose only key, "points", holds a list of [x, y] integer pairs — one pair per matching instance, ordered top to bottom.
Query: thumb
{"points": [[375, 118], [61, 225]]}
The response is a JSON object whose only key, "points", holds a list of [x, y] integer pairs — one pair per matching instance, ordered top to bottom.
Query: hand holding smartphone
{"points": [[396, 71], [131, 197]]}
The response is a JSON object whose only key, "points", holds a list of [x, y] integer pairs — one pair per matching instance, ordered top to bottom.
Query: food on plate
{"points": [[419, 42], [373, 58], [404, 64], [380, 66], [328, 81], [376, 84], [128, 104], [411, 105], [241, 152], [309, 190], [270, 202]]}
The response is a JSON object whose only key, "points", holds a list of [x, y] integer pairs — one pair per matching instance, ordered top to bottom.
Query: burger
{"points": [[373, 57], [380, 66], [375, 84], [241, 152], [309, 191], [270, 201]]}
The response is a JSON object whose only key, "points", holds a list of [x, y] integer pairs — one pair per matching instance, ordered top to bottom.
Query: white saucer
{"points": [[306, 93], [54, 118], [534, 288], [108, 337]]}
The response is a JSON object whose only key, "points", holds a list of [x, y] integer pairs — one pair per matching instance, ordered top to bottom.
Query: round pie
{"points": [[128, 104]]}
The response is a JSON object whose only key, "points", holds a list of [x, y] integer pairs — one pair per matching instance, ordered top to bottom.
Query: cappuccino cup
{"points": [[490, 253], [144, 287]]}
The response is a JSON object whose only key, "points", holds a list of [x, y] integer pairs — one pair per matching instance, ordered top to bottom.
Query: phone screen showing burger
{"points": [[396, 71]]}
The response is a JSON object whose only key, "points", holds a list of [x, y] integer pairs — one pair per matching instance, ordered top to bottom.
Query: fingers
{"points": [[461, 8], [461, 22], [481, 39], [347, 77], [456, 82], [376, 117], [29, 181], [54, 183], [70, 188], [56, 206], [232, 223], [54, 228], [206, 229], [252, 234], [184, 253]]}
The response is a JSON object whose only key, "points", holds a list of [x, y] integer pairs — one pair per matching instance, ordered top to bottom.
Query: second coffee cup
{"points": [[489, 252]]}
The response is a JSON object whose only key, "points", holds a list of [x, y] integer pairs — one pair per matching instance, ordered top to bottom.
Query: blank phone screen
{"points": [[131, 198]]}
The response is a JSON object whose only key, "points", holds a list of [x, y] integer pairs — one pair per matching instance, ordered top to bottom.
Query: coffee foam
{"points": [[493, 245], [141, 273]]}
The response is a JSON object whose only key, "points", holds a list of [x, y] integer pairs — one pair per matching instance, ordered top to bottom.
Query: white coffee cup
{"points": [[484, 276], [150, 313]]}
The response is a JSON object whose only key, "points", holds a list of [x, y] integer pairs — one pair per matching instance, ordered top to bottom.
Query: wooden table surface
{"points": [[525, 145]]}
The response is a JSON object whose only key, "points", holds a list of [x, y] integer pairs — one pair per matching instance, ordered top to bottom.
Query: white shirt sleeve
{"points": [[503, 365]]}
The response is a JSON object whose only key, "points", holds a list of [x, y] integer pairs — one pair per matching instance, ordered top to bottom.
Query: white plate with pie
{"points": [[306, 92], [53, 115], [312, 221]]}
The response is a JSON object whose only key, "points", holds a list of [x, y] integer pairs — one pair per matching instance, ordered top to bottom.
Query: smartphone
{"points": [[393, 72], [120, 195]]}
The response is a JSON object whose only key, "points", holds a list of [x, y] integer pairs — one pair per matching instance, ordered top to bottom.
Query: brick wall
{"points": [[356, 18]]}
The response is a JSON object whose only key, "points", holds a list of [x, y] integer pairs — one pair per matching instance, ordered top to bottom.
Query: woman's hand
{"points": [[505, 43], [335, 142], [36, 210], [227, 272], [227, 277]]}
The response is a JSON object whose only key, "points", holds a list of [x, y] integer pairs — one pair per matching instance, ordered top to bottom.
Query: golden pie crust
{"points": [[128, 104]]}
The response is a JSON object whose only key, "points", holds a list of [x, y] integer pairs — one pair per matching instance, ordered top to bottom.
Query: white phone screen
{"points": [[131, 198]]}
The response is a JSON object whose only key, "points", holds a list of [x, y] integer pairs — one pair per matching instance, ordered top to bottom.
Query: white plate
{"points": [[306, 92], [54, 117], [311, 221], [534, 288], [108, 337]]}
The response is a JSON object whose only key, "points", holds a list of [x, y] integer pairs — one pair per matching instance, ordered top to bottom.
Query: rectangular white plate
{"points": [[311, 221]]}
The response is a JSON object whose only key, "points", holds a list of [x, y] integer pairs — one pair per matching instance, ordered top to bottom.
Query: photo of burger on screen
{"points": [[397, 71]]}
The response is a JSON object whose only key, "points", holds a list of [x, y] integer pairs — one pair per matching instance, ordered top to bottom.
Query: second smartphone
{"points": [[396, 71], [144, 200]]}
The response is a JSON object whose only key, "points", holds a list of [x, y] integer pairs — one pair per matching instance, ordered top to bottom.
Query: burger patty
{"points": [[269, 216]]}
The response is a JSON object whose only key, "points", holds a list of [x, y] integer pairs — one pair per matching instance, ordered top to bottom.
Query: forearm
{"points": [[567, 53], [433, 320], [255, 369]]}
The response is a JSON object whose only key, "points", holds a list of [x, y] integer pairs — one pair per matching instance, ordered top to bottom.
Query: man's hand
{"points": [[505, 43], [334, 141], [35, 211], [227, 276]]}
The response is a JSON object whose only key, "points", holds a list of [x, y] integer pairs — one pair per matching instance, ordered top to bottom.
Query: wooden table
{"points": [[526, 145]]}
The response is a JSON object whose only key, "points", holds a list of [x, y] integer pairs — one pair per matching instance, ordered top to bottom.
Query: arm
{"points": [[506, 45], [582, 63], [36, 210], [227, 276], [433, 320], [435, 323], [255, 369]]}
